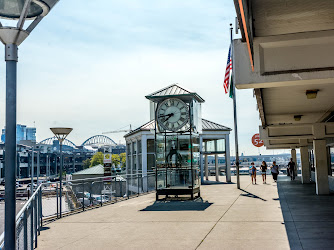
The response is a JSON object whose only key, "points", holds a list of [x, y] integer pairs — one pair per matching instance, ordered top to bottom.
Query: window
{"points": [[221, 145], [150, 146], [139, 147], [134, 148], [150, 162]]}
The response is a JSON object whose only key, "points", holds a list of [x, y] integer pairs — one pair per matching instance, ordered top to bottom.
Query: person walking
{"points": [[264, 168], [291, 168], [274, 171], [252, 172]]}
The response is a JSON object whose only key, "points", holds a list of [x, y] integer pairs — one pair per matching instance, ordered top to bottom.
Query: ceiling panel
{"points": [[276, 17]]}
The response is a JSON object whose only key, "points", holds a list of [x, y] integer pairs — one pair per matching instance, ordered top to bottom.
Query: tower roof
{"points": [[174, 90], [206, 126]]}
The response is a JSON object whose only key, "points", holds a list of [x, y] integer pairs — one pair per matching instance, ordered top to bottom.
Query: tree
{"points": [[96, 159], [115, 160], [123, 160], [86, 163]]}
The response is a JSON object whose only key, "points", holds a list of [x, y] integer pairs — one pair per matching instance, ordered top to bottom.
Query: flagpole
{"points": [[235, 115]]}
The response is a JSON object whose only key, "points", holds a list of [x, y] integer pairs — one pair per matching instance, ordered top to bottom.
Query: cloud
{"points": [[89, 65]]}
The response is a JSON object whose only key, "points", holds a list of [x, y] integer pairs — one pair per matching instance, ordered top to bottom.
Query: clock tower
{"points": [[178, 122]]}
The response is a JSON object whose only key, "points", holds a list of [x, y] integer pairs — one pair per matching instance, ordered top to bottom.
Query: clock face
{"points": [[172, 114]]}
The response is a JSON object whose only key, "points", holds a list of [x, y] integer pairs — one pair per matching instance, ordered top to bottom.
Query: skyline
{"points": [[92, 70]]}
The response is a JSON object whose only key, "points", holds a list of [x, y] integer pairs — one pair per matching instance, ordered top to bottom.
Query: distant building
{"points": [[23, 133]]}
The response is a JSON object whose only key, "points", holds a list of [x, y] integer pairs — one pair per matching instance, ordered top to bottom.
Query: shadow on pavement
{"points": [[216, 183], [250, 195], [179, 205], [308, 218]]}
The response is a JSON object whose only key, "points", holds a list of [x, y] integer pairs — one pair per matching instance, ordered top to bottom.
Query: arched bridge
{"points": [[99, 140], [49, 141]]}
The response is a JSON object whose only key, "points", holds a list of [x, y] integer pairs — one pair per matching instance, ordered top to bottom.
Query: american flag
{"points": [[227, 72]]}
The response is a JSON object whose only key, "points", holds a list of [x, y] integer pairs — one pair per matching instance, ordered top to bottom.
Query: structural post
{"points": [[235, 116], [10, 147], [201, 158], [227, 158], [294, 158], [144, 161], [216, 162], [206, 167], [321, 167], [38, 168], [32, 170], [306, 174], [61, 177]]}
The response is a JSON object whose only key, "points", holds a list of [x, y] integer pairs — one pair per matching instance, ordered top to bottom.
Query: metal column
{"points": [[10, 147], [61, 177]]}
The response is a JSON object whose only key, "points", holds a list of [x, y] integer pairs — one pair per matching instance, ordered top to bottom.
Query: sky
{"points": [[89, 66]]}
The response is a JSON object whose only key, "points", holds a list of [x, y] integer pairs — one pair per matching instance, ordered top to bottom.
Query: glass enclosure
{"points": [[177, 162]]}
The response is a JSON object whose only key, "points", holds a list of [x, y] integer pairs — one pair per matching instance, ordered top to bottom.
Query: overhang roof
{"points": [[174, 90], [206, 126], [96, 170]]}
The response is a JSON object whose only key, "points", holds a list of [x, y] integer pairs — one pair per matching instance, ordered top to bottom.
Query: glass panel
{"points": [[221, 145], [128, 146], [150, 146], [210, 146], [139, 147], [134, 148], [174, 156], [129, 162], [150, 162], [134, 163], [140, 163]]}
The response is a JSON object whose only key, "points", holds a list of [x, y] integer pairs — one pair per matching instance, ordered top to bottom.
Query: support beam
{"points": [[227, 158], [294, 158], [201, 159], [144, 161], [216, 162], [216, 167], [321, 167], [306, 174]]}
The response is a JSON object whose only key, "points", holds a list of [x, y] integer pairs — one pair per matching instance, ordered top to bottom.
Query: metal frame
{"points": [[176, 191]]}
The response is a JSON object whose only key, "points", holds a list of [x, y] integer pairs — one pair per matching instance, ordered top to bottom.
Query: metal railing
{"points": [[77, 195], [28, 222]]}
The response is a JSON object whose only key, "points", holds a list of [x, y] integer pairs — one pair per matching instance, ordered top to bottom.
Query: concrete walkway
{"points": [[227, 218]]}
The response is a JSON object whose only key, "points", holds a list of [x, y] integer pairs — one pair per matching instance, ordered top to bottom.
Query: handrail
{"points": [[99, 178], [27, 203], [19, 215]]}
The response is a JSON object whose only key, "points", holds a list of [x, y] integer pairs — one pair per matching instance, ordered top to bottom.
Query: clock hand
{"points": [[164, 115], [169, 116]]}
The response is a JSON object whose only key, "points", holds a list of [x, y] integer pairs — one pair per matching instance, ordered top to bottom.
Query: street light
{"points": [[12, 37], [61, 134]]}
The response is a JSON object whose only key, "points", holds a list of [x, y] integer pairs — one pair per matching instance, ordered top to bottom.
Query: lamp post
{"points": [[12, 37], [61, 134]]}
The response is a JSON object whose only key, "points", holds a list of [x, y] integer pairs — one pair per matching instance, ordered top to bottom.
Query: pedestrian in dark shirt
{"points": [[291, 168], [274, 171], [264, 172]]}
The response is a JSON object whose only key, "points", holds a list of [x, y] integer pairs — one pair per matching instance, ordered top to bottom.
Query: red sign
{"points": [[257, 142]]}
